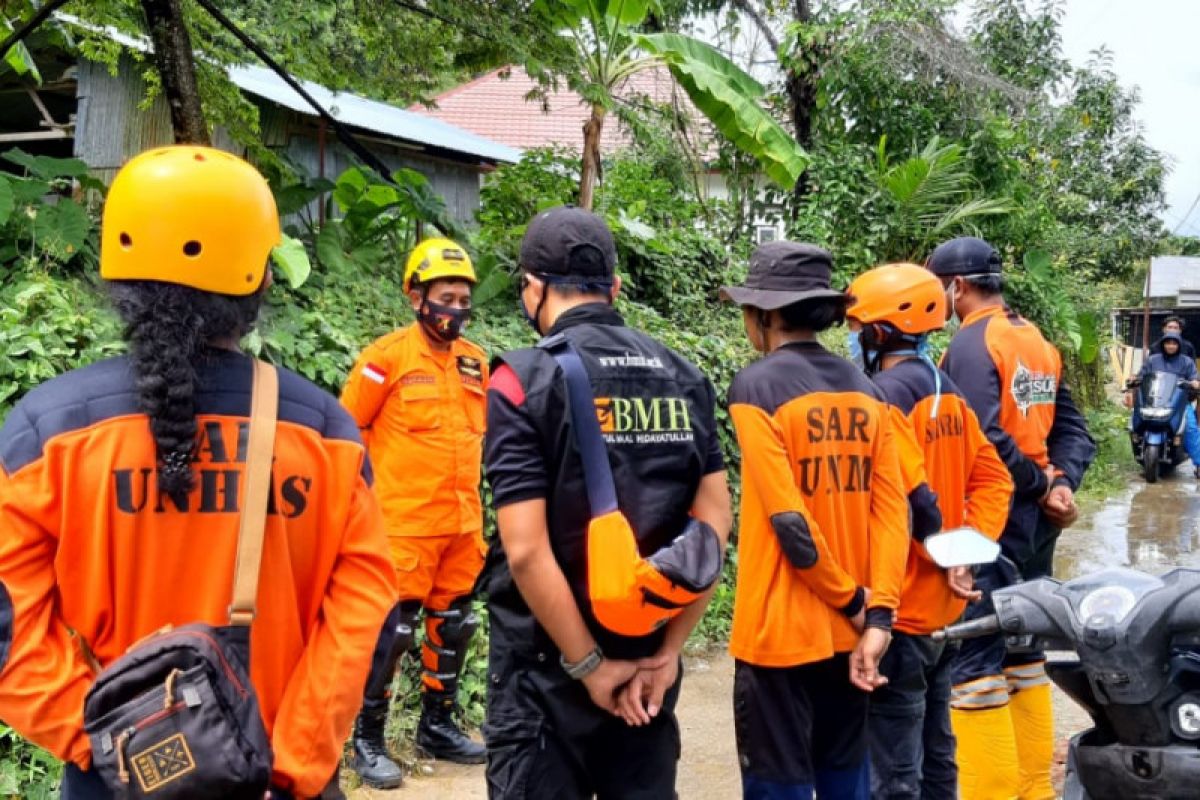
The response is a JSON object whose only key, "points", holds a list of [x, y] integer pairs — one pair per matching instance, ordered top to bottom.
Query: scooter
{"points": [[1156, 427], [1137, 675]]}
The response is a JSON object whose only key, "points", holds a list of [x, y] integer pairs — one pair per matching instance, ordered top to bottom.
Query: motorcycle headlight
{"points": [[1156, 413], [1109, 601]]}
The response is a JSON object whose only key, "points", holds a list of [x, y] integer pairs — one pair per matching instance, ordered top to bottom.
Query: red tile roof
{"points": [[495, 106]]}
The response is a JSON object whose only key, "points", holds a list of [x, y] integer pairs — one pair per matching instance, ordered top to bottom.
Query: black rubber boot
{"points": [[439, 735], [371, 759]]}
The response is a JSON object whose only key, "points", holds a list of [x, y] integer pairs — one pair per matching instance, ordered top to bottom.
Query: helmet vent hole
{"points": [[126, 240], [192, 249], [905, 306], [930, 307]]}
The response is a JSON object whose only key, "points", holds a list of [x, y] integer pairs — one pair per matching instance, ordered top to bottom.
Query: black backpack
{"points": [[177, 716]]}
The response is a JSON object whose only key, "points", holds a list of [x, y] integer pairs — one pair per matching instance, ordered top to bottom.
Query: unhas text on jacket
{"points": [[219, 456], [839, 457]]}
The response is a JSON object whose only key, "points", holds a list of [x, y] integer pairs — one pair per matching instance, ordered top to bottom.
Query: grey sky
{"points": [[1155, 46]]}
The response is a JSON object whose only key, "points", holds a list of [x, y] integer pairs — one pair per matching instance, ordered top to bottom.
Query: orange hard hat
{"points": [[189, 215], [909, 298]]}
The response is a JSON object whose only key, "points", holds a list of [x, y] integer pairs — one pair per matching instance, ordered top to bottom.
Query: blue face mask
{"points": [[854, 341], [920, 349]]}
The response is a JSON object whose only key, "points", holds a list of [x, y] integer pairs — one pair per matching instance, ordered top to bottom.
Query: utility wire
{"points": [[341, 130], [1186, 216]]}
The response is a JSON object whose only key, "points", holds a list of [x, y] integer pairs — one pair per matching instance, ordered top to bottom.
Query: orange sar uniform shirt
{"points": [[1012, 379], [422, 413], [942, 445], [821, 487], [90, 547]]}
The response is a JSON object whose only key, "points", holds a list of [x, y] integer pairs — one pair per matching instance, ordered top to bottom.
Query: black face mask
{"points": [[531, 319], [443, 323]]}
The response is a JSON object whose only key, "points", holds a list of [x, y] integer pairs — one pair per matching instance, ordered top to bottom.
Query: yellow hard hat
{"points": [[189, 215], [437, 259]]}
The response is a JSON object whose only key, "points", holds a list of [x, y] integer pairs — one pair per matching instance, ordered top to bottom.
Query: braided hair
{"points": [[170, 330]]}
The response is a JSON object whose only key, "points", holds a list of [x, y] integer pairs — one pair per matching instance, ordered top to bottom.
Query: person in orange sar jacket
{"points": [[1012, 379], [419, 395], [953, 477], [121, 485], [823, 537]]}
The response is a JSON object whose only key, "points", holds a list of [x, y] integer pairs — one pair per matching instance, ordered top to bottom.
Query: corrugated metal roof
{"points": [[351, 109], [371, 115], [1170, 274]]}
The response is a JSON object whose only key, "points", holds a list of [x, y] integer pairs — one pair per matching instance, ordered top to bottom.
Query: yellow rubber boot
{"points": [[1033, 720], [987, 753]]}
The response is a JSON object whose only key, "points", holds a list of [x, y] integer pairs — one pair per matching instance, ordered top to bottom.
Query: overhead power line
{"points": [[28, 27], [1186, 216]]}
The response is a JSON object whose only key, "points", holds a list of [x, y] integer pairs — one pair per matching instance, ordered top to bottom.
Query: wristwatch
{"points": [[584, 666]]}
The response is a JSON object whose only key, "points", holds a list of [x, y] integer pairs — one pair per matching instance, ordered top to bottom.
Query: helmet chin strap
{"points": [[920, 352]]}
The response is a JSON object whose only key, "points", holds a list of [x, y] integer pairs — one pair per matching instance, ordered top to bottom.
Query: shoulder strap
{"points": [[264, 406], [597, 472]]}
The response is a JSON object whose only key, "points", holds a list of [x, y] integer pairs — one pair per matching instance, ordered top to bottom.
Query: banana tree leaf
{"points": [[627, 12], [674, 47], [725, 94]]}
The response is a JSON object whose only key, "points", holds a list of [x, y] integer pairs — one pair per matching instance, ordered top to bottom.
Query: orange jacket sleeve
{"points": [[368, 385], [765, 463], [989, 483], [889, 522], [44, 678], [316, 714]]}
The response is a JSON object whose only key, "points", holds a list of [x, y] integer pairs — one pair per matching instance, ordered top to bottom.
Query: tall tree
{"points": [[607, 49], [176, 66]]}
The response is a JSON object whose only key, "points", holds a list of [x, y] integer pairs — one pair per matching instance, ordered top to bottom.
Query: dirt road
{"points": [[1150, 528]]}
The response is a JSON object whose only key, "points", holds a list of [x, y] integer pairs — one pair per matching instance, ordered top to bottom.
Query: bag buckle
{"points": [[241, 616]]}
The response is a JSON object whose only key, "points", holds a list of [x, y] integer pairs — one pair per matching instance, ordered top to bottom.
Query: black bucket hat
{"points": [[782, 273]]}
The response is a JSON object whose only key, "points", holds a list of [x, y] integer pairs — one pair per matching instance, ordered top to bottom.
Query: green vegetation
{"points": [[911, 134]]}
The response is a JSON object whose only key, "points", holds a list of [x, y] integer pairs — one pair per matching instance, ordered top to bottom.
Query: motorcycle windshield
{"points": [[1158, 389], [1110, 593]]}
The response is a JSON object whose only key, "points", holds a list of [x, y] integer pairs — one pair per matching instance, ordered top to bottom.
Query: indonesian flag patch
{"points": [[374, 373]]}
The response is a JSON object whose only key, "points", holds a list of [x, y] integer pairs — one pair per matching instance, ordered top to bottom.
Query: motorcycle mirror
{"points": [[961, 547]]}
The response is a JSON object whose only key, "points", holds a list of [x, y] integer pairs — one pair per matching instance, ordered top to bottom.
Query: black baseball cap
{"points": [[569, 243], [966, 255], [782, 273]]}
